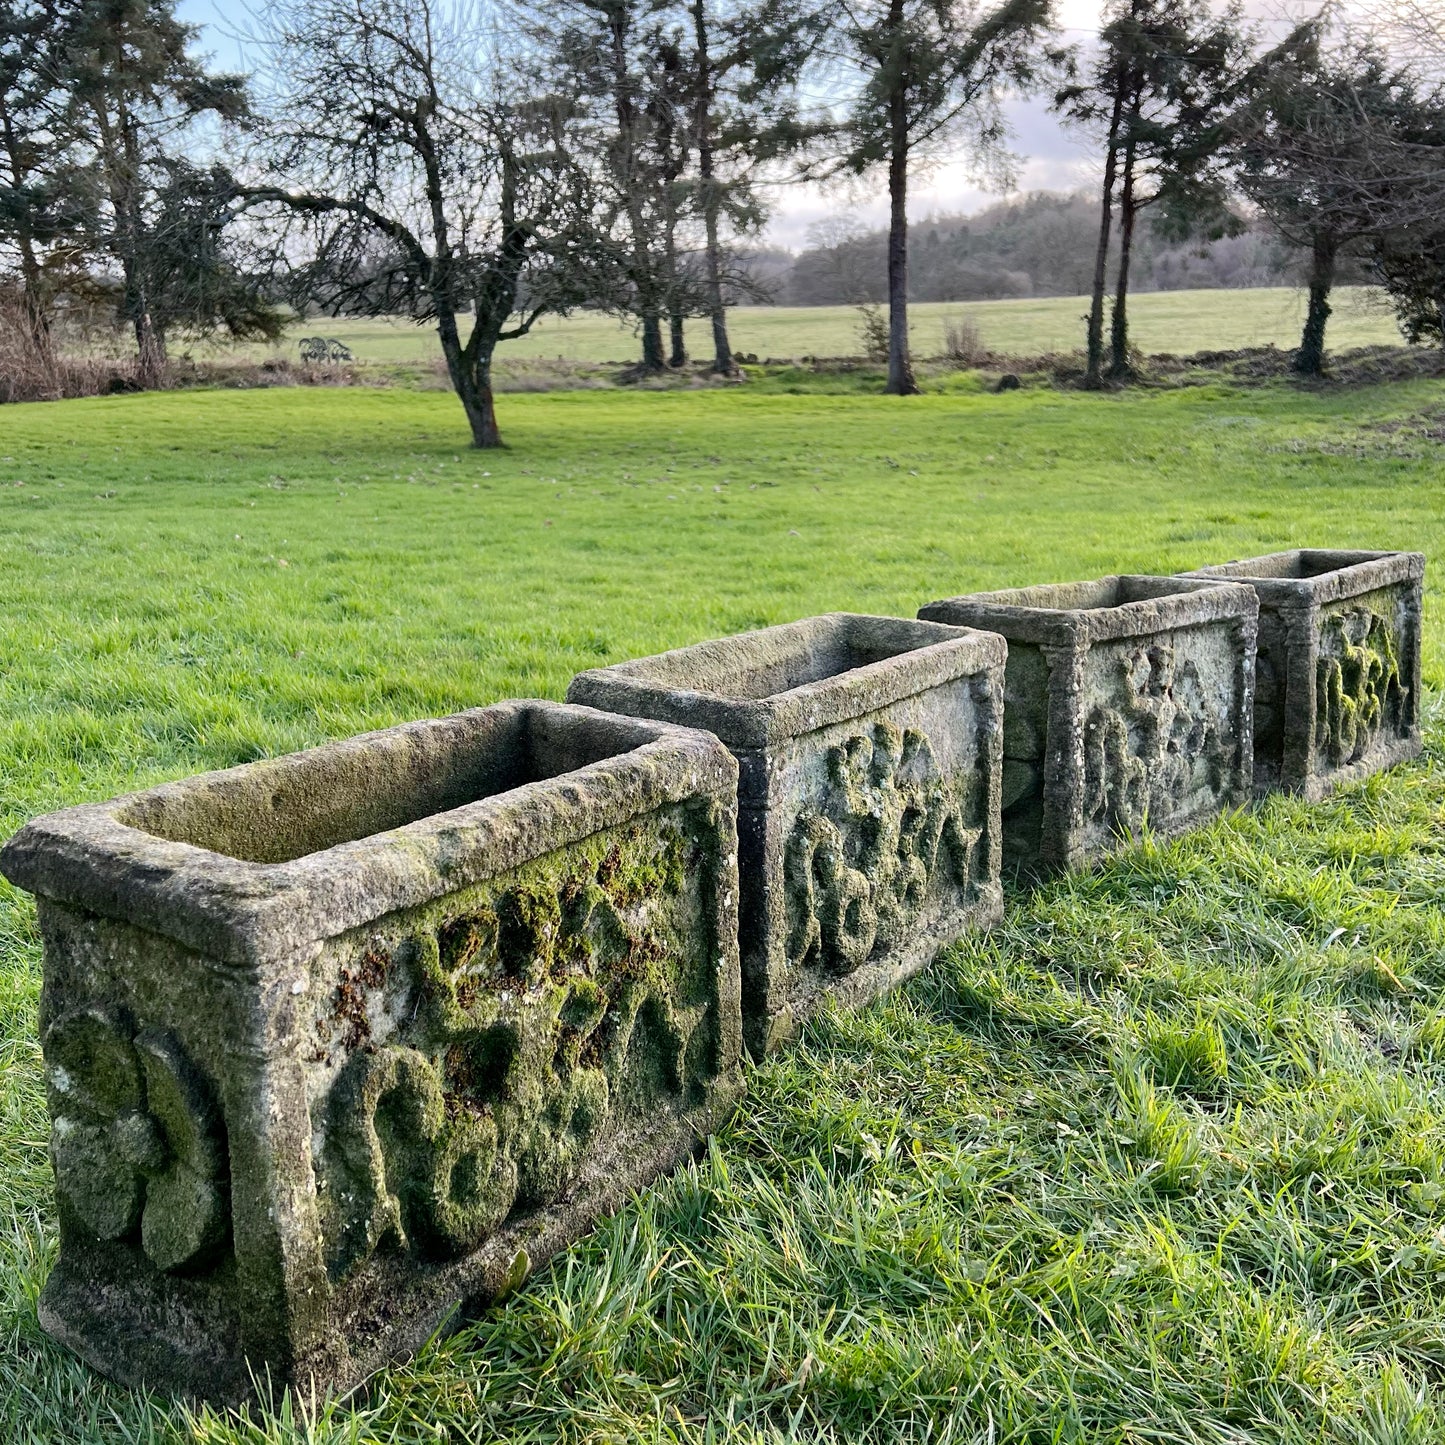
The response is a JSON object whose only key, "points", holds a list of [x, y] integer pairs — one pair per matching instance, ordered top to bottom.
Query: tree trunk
{"points": [[122, 152], [644, 277], [33, 291], [35, 314], [150, 344], [677, 351], [722, 352], [653, 358], [1310, 358], [1119, 367], [471, 374], [1094, 375], [901, 381], [477, 402]]}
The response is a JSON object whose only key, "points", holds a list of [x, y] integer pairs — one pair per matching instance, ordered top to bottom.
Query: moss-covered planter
{"points": [[1337, 684], [1127, 698], [868, 750], [337, 1041]]}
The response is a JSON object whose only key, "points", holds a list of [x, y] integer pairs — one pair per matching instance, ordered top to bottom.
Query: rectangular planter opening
{"points": [[1302, 563], [1102, 594], [789, 657], [1337, 693], [1127, 699], [868, 752], [344, 792]]}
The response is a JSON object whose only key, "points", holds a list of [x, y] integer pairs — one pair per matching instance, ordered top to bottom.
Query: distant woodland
{"points": [[1040, 244]]}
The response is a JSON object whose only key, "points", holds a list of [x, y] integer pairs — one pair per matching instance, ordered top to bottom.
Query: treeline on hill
{"points": [[477, 164], [1041, 244]]}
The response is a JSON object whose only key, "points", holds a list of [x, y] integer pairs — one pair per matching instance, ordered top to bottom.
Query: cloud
{"points": [[1052, 158]]}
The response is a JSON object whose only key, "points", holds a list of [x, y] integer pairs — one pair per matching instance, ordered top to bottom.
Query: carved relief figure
{"points": [[1358, 687], [1149, 746], [856, 872], [533, 1020], [137, 1142]]}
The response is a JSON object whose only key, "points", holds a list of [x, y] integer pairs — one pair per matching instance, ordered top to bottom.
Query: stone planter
{"points": [[1337, 684], [1126, 698], [868, 750], [337, 1041]]}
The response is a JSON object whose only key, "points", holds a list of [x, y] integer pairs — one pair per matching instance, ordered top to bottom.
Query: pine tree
{"points": [[921, 73], [1160, 91], [136, 92], [1325, 150], [40, 222]]}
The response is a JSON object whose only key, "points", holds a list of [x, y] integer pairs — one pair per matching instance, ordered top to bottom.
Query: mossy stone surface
{"points": [[1337, 690], [1129, 701], [869, 753], [307, 1104]]}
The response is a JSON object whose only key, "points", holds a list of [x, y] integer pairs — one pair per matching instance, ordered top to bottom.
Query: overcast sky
{"points": [[1053, 158]]}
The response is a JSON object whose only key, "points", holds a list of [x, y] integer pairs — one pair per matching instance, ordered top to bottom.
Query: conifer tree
{"points": [[919, 74], [1160, 90], [135, 92]]}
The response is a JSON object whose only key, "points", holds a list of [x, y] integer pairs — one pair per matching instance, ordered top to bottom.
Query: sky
{"points": [[1052, 157]]}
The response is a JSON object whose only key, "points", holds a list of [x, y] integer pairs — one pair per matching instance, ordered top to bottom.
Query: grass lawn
{"points": [[1175, 321], [1163, 1159]]}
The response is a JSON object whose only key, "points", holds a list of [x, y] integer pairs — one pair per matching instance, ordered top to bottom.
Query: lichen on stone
{"points": [[1357, 685], [1152, 741], [890, 830], [536, 1013], [136, 1140]]}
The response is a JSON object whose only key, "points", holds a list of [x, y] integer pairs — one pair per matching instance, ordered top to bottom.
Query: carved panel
{"points": [[1358, 688], [1153, 742], [890, 832], [519, 1035], [136, 1141]]}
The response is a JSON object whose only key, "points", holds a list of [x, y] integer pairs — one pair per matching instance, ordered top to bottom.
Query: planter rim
{"points": [[1344, 573], [1022, 614], [931, 653], [259, 915]]}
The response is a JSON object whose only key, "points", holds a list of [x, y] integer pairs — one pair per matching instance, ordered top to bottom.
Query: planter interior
{"points": [[1299, 565], [344, 792]]}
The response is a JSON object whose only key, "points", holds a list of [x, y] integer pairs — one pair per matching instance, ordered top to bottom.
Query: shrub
{"points": [[873, 331], [962, 344], [30, 371]]}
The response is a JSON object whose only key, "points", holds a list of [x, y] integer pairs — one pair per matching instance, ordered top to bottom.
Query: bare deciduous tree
{"points": [[1413, 33], [423, 169]]}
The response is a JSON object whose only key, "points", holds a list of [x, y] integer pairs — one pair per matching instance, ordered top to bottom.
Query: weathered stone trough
{"points": [[1337, 682], [1126, 698], [868, 750], [336, 1041]]}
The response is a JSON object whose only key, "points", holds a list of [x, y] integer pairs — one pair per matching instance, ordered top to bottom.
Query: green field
{"points": [[1173, 321], [1163, 1159]]}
